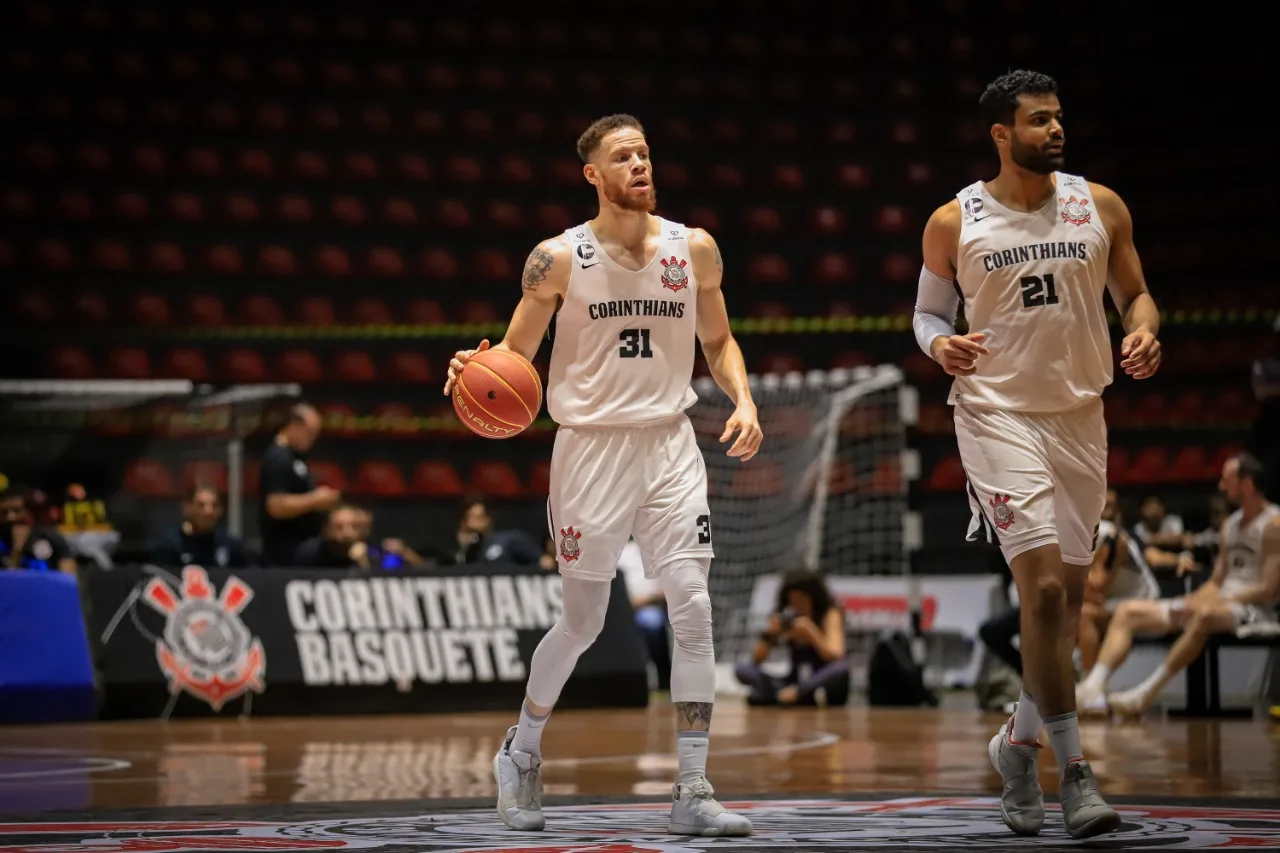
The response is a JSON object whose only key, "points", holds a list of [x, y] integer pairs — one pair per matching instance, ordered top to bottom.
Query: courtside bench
{"points": [[1204, 692]]}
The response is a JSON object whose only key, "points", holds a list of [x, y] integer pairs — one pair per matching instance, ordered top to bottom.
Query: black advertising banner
{"points": [[301, 641]]}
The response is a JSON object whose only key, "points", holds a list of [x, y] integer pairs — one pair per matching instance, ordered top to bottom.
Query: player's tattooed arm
{"points": [[719, 261], [536, 267], [696, 716]]}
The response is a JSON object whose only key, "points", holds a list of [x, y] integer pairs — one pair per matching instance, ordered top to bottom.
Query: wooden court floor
{"points": [[234, 761]]}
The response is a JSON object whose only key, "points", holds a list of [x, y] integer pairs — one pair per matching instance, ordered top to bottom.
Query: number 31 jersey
{"points": [[1033, 284], [624, 342]]}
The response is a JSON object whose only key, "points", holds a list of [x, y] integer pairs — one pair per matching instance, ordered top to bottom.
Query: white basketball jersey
{"points": [[1033, 284], [624, 345], [1242, 546]]}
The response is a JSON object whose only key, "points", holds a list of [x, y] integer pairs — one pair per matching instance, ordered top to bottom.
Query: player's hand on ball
{"points": [[1140, 352], [958, 353], [459, 361], [745, 424]]}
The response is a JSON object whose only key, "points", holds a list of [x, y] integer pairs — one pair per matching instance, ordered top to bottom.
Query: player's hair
{"points": [[1000, 100], [590, 139], [300, 412], [1248, 467], [203, 487], [811, 584]]}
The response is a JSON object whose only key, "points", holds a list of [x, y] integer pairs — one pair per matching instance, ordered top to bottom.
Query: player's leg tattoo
{"points": [[695, 716]]}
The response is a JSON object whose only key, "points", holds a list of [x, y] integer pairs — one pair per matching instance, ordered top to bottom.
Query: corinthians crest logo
{"points": [[1075, 210], [673, 275], [1001, 512], [569, 547], [206, 650]]}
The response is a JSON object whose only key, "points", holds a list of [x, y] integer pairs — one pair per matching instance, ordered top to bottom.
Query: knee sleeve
{"points": [[581, 618], [693, 662]]}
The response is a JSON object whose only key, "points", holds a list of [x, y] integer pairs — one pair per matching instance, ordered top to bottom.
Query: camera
{"points": [[786, 617]]}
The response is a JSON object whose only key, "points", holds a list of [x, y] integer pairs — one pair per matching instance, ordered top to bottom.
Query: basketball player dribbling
{"points": [[1032, 252], [630, 293]]}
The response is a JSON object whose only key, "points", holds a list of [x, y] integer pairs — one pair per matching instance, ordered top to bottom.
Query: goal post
{"points": [[122, 445], [828, 491]]}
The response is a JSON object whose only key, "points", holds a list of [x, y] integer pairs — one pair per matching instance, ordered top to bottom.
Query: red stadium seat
{"points": [[204, 162], [255, 163], [309, 164], [360, 166], [413, 168], [515, 170], [852, 176], [726, 177], [789, 178], [75, 205], [130, 205], [241, 208], [294, 208], [348, 210], [400, 211], [452, 213], [504, 214], [701, 216], [554, 217], [764, 219], [828, 220], [892, 220], [53, 255], [111, 255], [166, 258], [224, 259], [277, 260], [333, 260], [384, 262], [439, 263], [492, 265], [900, 267], [834, 268], [767, 270], [90, 308], [36, 309], [150, 309], [206, 310], [261, 310], [316, 311], [369, 311], [424, 312], [478, 312], [71, 363], [128, 363], [184, 363], [244, 365], [299, 365], [354, 366], [410, 367], [395, 417], [338, 418], [1150, 465], [1191, 465], [1117, 466], [205, 473], [328, 474], [947, 476], [149, 478], [436, 478], [379, 479], [495, 479], [758, 481], [539, 485]]}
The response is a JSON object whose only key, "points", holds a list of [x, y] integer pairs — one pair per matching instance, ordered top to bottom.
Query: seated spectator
{"points": [[1157, 528], [199, 540], [475, 540], [344, 543], [26, 545], [1119, 573], [1243, 591], [650, 607], [812, 626]]}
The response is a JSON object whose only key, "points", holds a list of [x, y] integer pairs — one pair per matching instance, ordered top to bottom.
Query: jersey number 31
{"points": [[1038, 290], [635, 344]]}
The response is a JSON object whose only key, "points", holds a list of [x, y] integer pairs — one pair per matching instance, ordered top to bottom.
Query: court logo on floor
{"points": [[206, 650], [798, 825]]}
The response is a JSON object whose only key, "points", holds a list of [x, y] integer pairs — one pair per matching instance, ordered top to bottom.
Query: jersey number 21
{"points": [[1038, 290]]}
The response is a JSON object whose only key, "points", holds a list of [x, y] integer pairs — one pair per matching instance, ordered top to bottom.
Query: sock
{"points": [[1096, 680], [1153, 682], [1026, 721], [529, 732], [1064, 738], [691, 750]]}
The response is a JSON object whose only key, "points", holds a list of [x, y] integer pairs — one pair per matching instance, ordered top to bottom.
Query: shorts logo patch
{"points": [[1001, 514], [569, 548]]}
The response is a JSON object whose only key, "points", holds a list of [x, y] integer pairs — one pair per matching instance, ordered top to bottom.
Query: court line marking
{"points": [[819, 740], [85, 763]]}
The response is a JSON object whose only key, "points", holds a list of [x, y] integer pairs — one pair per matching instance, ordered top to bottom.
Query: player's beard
{"points": [[1035, 160], [621, 197]]}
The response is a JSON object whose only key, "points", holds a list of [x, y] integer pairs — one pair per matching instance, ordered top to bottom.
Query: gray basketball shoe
{"points": [[519, 780], [1022, 799], [695, 812]]}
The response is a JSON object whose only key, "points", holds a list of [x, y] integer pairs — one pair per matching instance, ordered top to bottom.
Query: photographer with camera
{"points": [[812, 626]]}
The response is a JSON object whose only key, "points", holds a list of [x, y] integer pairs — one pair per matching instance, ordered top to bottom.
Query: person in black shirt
{"points": [[293, 508], [199, 540], [476, 541], [24, 545]]}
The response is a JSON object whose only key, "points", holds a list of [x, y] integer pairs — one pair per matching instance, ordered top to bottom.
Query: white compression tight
{"points": [[693, 663]]}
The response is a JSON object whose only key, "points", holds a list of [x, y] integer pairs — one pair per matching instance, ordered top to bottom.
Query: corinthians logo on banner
{"points": [[401, 630], [205, 649]]}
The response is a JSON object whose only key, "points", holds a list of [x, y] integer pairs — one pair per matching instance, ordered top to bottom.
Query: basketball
{"points": [[498, 394]]}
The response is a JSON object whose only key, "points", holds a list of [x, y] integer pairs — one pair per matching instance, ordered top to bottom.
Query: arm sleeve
{"points": [[936, 307]]}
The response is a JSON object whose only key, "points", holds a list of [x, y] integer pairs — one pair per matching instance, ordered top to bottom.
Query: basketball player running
{"points": [[1032, 251], [630, 293], [1243, 590]]}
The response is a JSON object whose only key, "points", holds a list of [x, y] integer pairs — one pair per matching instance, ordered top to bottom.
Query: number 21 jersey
{"points": [[1033, 284], [624, 342]]}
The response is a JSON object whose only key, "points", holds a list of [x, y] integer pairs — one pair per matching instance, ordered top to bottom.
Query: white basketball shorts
{"points": [[1035, 479], [610, 483]]}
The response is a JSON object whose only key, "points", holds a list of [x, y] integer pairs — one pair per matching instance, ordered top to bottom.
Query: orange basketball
{"points": [[498, 394]]}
